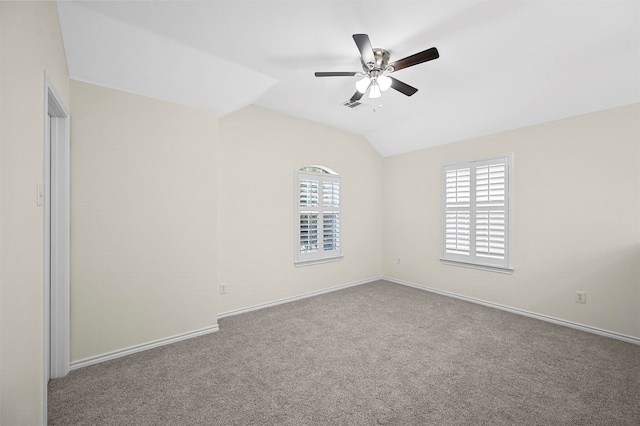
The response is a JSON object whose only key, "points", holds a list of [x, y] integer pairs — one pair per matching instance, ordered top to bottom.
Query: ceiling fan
{"points": [[376, 67]]}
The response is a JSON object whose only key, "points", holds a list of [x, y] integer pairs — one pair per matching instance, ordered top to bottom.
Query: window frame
{"points": [[322, 175], [473, 260]]}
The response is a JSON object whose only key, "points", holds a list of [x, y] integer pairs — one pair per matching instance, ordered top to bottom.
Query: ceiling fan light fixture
{"points": [[384, 82], [363, 84], [375, 90]]}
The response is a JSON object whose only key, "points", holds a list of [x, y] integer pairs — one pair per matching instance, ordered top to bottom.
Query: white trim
{"points": [[480, 160], [43, 201], [56, 225], [59, 229], [46, 253], [298, 264], [477, 266], [294, 298], [570, 324], [142, 347]]}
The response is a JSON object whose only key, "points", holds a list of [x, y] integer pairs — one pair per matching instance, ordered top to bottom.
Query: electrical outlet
{"points": [[399, 261], [223, 288], [581, 296]]}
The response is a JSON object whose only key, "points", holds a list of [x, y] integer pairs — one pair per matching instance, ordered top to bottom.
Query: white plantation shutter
{"points": [[308, 200], [491, 210], [318, 211], [477, 213], [458, 214], [331, 215]]}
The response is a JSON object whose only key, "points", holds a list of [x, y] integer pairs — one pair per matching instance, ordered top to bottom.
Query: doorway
{"points": [[54, 197]]}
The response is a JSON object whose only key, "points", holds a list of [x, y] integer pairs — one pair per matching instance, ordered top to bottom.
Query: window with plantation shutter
{"points": [[477, 213], [318, 216]]}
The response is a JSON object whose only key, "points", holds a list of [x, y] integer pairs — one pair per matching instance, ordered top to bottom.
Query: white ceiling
{"points": [[502, 65]]}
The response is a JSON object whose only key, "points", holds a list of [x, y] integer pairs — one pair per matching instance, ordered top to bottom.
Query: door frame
{"points": [[56, 212]]}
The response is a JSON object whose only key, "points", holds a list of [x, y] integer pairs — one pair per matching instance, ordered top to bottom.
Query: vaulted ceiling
{"points": [[502, 65]]}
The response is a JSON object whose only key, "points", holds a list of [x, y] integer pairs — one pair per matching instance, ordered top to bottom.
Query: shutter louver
{"points": [[458, 187], [490, 189], [309, 193], [330, 194], [309, 198], [458, 216], [331, 218], [331, 231], [458, 231], [308, 232]]}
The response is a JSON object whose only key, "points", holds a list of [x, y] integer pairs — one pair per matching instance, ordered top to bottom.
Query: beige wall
{"points": [[30, 43], [259, 153], [151, 182], [143, 214], [577, 227]]}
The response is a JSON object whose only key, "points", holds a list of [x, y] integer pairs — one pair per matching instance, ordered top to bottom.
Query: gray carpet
{"points": [[378, 353]]}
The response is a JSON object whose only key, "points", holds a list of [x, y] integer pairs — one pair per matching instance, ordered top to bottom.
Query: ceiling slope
{"points": [[112, 53], [503, 64]]}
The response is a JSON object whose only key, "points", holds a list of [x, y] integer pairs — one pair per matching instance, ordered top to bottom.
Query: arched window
{"points": [[318, 215]]}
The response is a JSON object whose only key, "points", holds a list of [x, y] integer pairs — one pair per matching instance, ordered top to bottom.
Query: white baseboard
{"points": [[294, 298], [558, 321], [173, 339], [142, 347]]}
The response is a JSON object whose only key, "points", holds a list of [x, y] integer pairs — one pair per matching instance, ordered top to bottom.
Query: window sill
{"points": [[317, 261], [476, 266]]}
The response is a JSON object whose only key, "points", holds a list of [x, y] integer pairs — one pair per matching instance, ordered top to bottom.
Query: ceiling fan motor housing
{"points": [[381, 60]]}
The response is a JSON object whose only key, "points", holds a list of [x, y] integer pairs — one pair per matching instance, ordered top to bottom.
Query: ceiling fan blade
{"points": [[364, 46], [418, 58], [336, 74], [401, 87], [356, 96]]}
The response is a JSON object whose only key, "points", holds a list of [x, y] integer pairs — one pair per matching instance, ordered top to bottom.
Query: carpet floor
{"points": [[374, 354]]}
